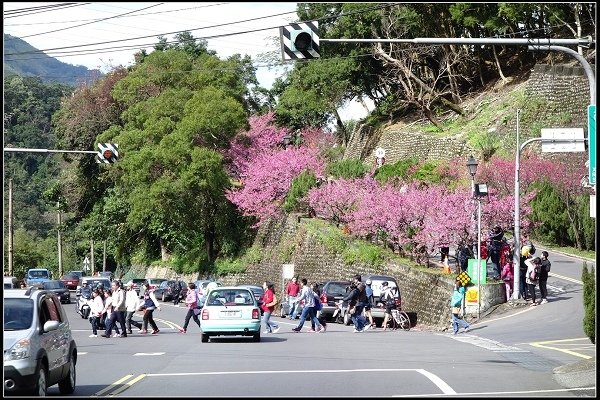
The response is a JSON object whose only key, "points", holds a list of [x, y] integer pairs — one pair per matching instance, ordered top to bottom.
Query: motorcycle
{"points": [[84, 303], [341, 314]]}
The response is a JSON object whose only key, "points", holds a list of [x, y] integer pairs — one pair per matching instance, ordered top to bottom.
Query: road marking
{"points": [[566, 278], [555, 288], [509, 316], [170, 324], [487, 344], [573, 353], [149, 354], [436, 380], [127, 385], [111, 386], [500, 393]]}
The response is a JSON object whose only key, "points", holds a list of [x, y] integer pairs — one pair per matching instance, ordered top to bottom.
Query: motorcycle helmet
{"points": [[368, 282]]}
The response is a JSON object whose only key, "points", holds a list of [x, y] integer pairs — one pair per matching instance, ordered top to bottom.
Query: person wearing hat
{"points": [[387, 298], [131, 303]]}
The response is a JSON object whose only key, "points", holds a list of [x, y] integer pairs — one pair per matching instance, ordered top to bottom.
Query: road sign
{"points": [[300, 41], [556, 140], [592, 143], [380, 152], [86, 264], [477, 275], [463, 278], [472, 296]]}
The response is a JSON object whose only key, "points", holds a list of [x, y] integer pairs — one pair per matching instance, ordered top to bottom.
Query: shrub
{"points": [[347, 169], [398, 169], [295, 199], [589, 302]]}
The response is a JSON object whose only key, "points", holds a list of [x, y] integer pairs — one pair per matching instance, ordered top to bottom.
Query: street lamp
{"points": [[472, 167]]}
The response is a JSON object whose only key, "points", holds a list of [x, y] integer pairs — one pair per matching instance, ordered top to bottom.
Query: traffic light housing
{"points": [[301, 40], [108, 153]]}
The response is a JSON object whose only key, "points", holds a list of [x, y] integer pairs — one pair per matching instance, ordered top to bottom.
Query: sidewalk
{"points": [[581, 374]]}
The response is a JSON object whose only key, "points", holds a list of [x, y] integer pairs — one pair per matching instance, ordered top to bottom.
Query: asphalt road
{"points": [[507, 354]]}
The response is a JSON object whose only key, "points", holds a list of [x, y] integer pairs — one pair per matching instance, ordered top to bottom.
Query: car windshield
{"points": [[38, 274], [71, 275], [93, 283], [54, 285], [336, 289], [230, 297], [18, 314]]}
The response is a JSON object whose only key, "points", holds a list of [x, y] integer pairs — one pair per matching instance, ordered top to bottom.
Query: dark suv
{"points": [[336, 291], [39, 349]]}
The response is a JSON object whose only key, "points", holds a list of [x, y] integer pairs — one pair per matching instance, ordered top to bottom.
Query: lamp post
{"points": [[472, 167]]}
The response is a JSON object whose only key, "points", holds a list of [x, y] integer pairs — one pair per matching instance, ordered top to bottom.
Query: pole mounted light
{"points": [[472, 168]]}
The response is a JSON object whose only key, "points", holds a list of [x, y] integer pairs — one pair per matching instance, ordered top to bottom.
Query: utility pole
{"points": [[10, 229], [92, 254], [104, 257], [60, 268]]}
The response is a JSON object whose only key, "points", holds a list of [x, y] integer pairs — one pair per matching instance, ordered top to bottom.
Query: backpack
{"points": [[535, 273]]}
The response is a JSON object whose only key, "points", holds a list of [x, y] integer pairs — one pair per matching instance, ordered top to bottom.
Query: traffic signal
{"points": [[300, 41], [108, 153]]}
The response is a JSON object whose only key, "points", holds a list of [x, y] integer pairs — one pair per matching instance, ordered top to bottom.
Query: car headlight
{"points": [[18, 351]]}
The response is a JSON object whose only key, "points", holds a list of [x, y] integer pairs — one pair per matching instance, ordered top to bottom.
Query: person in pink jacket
{"points": [[507, 277], [191, 302]]}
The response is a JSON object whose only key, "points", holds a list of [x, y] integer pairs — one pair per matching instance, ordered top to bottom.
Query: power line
{"points": [[21, 13], [122, 15], [93, 22]]}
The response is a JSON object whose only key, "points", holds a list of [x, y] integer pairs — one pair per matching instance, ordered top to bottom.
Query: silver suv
{"points": [[378, 312], [39, 349]]}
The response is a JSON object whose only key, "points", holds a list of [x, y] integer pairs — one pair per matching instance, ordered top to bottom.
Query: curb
{"points": [[567, 254], [580, 374]]}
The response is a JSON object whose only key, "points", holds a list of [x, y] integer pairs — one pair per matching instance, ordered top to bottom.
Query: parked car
{"points": [[107, 274], [71, 280], [376, 281], [10, 282], [155, 282], [137, 284], [201, 284], [58, 288], [164, 291], [335, 291], [258, 292], [230, 311], [39, 349]]}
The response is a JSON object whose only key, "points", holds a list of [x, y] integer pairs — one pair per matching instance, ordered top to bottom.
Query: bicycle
{"points": [[399, 320]]}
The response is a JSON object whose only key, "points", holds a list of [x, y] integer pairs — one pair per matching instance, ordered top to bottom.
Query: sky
{"points": [[78, 34]]}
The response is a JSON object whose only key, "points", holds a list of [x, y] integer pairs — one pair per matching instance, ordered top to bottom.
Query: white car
{"points": [[230, 311]]}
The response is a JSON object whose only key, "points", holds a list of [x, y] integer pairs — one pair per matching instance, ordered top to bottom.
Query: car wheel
{"points": [[256, 337], [204, 338], [67, 384], [41, 385]]}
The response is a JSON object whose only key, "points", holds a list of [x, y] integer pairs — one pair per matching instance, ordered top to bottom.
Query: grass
{"points": [[572, 251]]}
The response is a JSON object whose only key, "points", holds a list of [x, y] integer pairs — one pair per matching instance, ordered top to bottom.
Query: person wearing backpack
{"points": [[545, 268], [532, 276], [191, 302], [456, 302]]}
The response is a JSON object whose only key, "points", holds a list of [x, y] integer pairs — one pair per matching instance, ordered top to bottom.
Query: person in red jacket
{"points": [[292, 290], [268, 305]]}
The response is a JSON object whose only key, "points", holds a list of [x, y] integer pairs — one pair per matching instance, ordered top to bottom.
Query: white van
{"points": [[10, 282]]}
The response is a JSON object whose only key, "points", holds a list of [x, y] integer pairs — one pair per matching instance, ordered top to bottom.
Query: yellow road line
{"points": [[566, 278], [170, 324], [573, 353], [127, 385], [110, 387]]}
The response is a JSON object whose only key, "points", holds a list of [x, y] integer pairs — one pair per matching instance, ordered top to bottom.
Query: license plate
{"points": [[231, 314]]}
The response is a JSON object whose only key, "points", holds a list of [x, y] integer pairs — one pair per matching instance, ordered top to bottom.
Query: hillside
{"points": [[47, 68]]}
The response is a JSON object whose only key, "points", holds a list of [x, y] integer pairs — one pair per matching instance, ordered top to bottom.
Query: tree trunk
{"points": [[498, 65], [343, 134], [209, 238], [165, 255]]}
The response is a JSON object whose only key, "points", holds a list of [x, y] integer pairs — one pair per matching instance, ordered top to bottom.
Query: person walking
{"points": [[544, 269], [508, 276], [532, 276], [292, 289], [176, 291], [458, 296], [357, 298], [387, 298], [320, 299], [191, 302], [370, 302], [132, 303], [149, 305], [268, 305], [119, 306], [309, 307], [96, 311], [111, 316]]}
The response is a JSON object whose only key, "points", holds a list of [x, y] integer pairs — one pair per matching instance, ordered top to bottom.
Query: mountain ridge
{"points": [[47, 68]]}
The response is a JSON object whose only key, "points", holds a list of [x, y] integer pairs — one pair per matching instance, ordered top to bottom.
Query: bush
{"points": [[347, 169], [398, 169], [294, 201], [589, 302]]}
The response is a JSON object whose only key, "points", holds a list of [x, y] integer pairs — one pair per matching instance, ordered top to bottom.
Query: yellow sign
{"points": [[463, 278], [472, 295]]}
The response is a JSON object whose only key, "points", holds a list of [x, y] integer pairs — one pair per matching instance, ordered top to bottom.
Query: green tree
{"points": [[589, 302]]}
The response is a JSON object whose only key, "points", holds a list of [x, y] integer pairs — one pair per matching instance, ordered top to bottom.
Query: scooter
{"points": [[84, 303], [341, 314]]}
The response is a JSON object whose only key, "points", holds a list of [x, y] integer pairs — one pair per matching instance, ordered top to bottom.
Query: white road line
{"points": [[566, 278], [555, 288], [488, 344], [149, 354], [437, 381], [501, 393]]}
